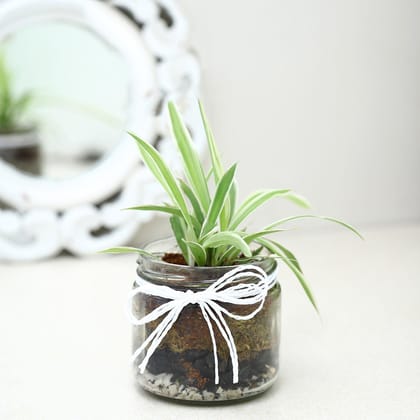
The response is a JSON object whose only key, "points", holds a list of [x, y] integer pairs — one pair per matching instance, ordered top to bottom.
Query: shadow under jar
{"points": [[21, 148], [182, 367]]}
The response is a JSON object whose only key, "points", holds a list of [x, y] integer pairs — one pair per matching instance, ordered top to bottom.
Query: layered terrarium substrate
{"points": [[182, 367]]}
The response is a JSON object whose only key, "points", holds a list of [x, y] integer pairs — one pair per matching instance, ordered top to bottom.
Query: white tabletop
{"points": [[65, 340]]}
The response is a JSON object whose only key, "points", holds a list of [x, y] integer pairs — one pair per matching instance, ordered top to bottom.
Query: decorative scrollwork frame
{"points": [[82, 214]]}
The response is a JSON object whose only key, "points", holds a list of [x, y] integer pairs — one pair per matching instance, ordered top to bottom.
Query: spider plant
{"points": [[12, 106], [207, 222]]}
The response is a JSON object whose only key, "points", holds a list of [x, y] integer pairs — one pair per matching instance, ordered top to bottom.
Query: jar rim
{"points": [[157, 256], [153, 268]]}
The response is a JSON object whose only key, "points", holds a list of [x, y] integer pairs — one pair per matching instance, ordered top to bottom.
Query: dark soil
{"points": [[26, 159], [173, 258], [196, 368]]}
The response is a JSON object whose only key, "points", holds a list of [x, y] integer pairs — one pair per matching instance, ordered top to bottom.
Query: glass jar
{"points": [[21, 149], [183, 366]]}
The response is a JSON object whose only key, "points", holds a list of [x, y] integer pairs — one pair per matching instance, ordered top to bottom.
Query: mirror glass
{"points": [[78, 87]]}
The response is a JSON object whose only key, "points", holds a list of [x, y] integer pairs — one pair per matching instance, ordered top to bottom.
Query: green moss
{"points": [[190, 332]]}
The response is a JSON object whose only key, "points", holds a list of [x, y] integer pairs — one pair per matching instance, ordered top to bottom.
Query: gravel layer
{"points": [[163, 385]]}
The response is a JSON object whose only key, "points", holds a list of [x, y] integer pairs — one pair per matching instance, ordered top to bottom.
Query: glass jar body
{"points": [[22, 150], [183, 365]]}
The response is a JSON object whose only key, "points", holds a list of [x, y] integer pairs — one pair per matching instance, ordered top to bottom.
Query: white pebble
{"points": [[166, 380], [172, 390], [232, 394], [196, 396], [208, 396]]}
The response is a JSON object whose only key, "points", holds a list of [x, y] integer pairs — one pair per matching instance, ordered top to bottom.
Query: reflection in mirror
{"points": [[76, 90], [86, 95], [19, 145]]}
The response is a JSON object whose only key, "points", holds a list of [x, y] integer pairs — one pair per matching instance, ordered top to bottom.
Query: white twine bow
{"points": [[209, 301]]}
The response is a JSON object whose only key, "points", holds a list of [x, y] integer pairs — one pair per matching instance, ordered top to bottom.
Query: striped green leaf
{"points": [[216, 162], [192, 165], [160, 170], [217, 171], [259, 198], [219, 199], [162, 209], [198, 212], [312, 216], [178, 230], [222, 239], [272, 247], [126, 250], [198, 251], [232, 253], [289, 254]]}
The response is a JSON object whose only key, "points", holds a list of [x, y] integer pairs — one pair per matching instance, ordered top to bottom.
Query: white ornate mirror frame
{"points": [[82, 214]]}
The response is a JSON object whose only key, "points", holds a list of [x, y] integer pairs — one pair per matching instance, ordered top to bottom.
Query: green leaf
{"points": [[5, 81], [12, 107], [216, 162], [192, 165], [160, 170], [217, 171], [220, 196], [259, 198], [193, 200], [232, 200], [298, 200], [254, 201], [228, 208], [162, 209], [311, 216], [179, 233], [251, 237], [226, 238], [270, 246], [126, 250], [198, 252], [256, 252], [231, 253], [289, 254], [302, 280]]}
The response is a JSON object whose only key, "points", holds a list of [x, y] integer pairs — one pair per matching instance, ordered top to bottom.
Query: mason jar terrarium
{"points": [[206, 315], [183, 365]]}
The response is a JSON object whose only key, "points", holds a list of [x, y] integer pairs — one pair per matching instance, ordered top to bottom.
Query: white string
{"points": [[209, 301]]}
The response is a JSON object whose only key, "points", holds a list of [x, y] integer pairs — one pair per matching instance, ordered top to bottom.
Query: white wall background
{"points": [[321, 96]]}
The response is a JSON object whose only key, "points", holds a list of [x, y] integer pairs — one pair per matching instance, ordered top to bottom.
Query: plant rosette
{"points": [[205, 306]]}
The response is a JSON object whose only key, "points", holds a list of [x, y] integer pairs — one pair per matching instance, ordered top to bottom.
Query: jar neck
{"points": [[153, 269]]}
